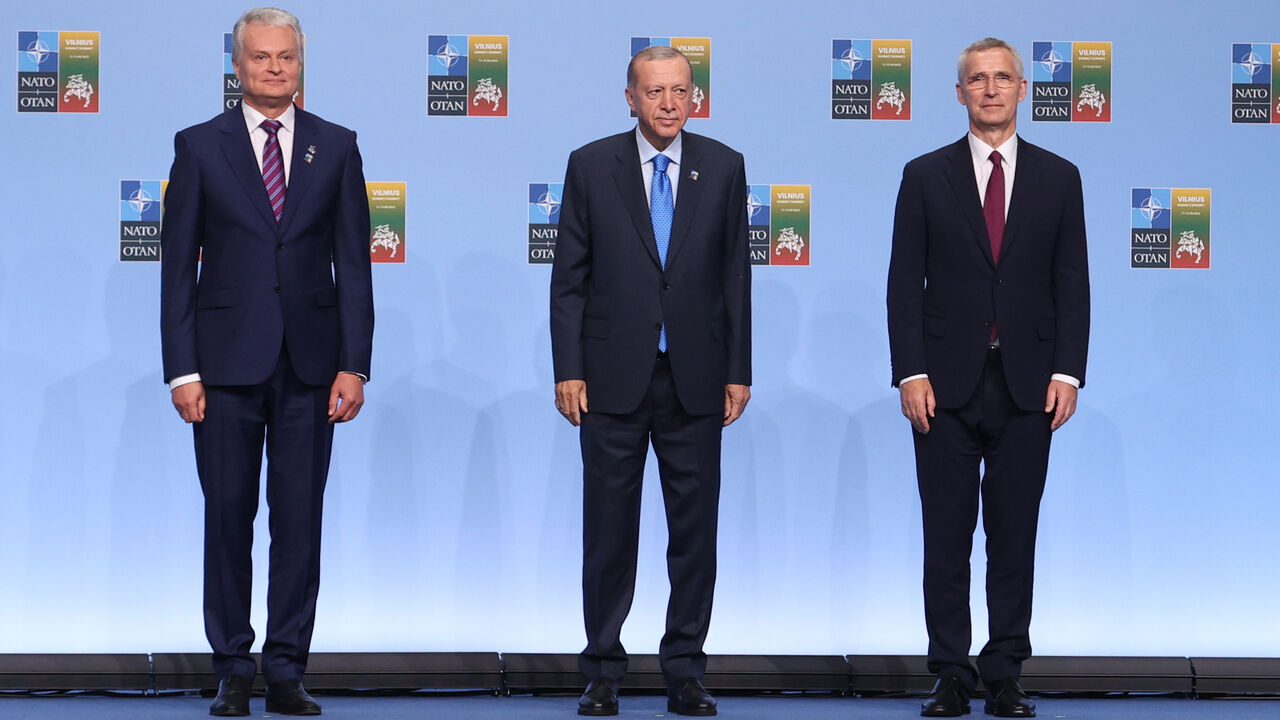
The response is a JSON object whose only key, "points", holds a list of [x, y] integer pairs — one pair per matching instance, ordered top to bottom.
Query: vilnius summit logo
{"points": [[58, 72], [467, 75], [870, 79], [1071, 81]]}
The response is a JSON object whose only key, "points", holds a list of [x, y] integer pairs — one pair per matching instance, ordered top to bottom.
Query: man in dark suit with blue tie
{"points": [[988, 301], [651, 315], [267, 327]]}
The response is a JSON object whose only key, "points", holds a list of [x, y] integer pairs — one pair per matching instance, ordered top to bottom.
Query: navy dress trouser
{"points": [[291, 418], [614, 448]]}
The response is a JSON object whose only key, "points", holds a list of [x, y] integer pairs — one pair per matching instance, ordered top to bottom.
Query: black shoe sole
{"points": [[675, 708], [990, 710], [280, 711], [597, 713], [925, 713]]}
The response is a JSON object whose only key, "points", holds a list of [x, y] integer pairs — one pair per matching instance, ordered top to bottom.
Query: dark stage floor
{"points": [[525, 707]]}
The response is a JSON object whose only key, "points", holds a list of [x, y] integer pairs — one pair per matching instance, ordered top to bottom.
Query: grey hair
{"points": [[269, 16], [984, 45], [654, 52]]}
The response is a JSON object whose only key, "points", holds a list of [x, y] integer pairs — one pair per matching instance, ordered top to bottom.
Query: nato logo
{"points": [[447, 55], [37, 71], [447, 74], [850, 79], [1051, 81], [1252, 94], [140, 213], [758, 216], [1151, 217], [544, 220]]}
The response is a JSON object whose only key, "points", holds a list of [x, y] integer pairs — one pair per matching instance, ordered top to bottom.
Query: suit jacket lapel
{"points": [[239, 153], [1028, 158], [300, 171], [960, 175], [630, 182], [687, 196]]}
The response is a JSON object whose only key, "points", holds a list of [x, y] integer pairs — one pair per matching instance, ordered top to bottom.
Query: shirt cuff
{"points": [[363, 378], [909, 378], [1066, 379], [178, 382]]}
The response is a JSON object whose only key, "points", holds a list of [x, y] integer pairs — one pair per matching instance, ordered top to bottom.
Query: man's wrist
{"points": [[1061, 377], [181, 380]]}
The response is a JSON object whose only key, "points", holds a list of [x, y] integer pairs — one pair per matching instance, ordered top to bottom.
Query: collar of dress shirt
{"points": [[253, 119], [647, 150], [981, 151]]}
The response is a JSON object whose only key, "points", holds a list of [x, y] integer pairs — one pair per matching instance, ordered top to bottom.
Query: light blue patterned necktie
{"points": [[661, 210]]}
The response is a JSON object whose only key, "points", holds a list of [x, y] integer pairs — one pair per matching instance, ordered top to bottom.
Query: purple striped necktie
{"points": [[273, 168]]}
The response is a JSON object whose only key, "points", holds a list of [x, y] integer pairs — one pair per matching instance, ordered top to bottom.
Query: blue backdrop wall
{"points": [[453, 508]]}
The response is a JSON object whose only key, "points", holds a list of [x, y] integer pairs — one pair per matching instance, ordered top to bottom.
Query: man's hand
{"points": [[346, 397], [188, 400], [571, 400], [735, 401], [1061, 401], [918, 403]]}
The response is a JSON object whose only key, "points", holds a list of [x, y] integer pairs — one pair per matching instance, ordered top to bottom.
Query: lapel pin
{"points": [[311, 153], [693, 175]]}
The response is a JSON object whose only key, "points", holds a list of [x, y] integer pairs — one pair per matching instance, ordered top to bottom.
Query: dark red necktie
{"points": [[993, 206], [993, 211]]}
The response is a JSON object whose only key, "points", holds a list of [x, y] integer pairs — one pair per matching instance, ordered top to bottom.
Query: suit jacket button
{"points": [[280, 246], [666, 286], [278, 290], [987, 323], [657, 326]]}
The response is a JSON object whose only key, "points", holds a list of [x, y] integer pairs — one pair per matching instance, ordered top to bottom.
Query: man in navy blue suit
{"points": [[988, 301], [651, 315], [267, 327]]}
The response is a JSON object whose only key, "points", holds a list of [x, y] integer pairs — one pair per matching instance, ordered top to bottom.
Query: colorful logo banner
{"points": [[698, 50], [58, 71], [467, 75], [870, 79], [1071, 81], [1255, 89], [141, 212], [386, 221], [544, 221], [778, 224], [1170, 227]]}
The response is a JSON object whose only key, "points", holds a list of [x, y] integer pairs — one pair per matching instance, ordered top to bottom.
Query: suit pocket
{"points": [[327, 297], [218, 298], [934, 326], [595, 327], [1046, 329]]}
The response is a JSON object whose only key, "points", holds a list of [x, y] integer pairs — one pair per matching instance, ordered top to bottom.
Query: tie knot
{"points": [[271, 126], [996, 157], [660, 163]]}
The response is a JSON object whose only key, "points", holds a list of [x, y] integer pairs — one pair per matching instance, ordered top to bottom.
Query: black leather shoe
{"points": [[233, 697], [288, 697], [601, 698], [949, 698], [1005, 698], [691, 699]]}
